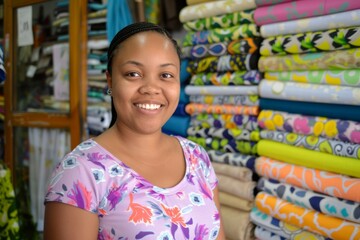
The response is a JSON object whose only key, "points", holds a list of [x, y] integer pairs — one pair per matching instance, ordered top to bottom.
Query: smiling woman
{"points": [[133, 181]]}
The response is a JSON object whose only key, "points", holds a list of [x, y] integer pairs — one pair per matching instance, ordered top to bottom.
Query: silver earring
{"points": [[109, 91]]}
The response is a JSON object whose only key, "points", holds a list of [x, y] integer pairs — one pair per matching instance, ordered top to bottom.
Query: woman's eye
{"points": [[133, 74], [166, 75]]}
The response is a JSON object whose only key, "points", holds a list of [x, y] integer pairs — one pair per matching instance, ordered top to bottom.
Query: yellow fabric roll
{"points": [[309, 158], [240, 173], [244, 190], [233, 201], [236, 223]]}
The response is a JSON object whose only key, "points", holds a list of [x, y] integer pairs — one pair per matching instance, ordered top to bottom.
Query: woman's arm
{"points": [[64, 221], [221, 235]]}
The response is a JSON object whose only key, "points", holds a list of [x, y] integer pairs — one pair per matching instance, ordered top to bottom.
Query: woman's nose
{"points": [[150, 86]]}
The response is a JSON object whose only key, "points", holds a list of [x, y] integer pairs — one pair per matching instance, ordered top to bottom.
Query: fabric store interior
{"points": [[270, 88]]}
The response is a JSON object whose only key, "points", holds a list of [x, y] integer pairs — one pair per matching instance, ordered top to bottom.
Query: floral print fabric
{"points": [[251, 77], [130, 207]]}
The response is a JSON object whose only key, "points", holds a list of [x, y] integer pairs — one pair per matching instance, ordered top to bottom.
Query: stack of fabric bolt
{"points": [[221, 44], [310, 119]]}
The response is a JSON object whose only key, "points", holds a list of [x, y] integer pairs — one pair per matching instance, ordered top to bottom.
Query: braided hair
{"points": [[124, 34]]}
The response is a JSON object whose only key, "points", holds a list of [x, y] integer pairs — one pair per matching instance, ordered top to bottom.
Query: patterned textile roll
{"points": [[194, 2], [262, 3], [209, 9], [220, 21], [312, 24], [221, 35], [330, 40], [246, 45], [340, 59], [238, 62], [252, 77], [349, 77], [221, 90], [309, 92], [246, 100], [197, 108], [225, 121], [347, 131], [230, 134], [320, 144], [225, 145], [234, 159], [240, 173], [319, 181], [241, 189], [230, 200], [329, 205], [310, 220], [263, 234]]}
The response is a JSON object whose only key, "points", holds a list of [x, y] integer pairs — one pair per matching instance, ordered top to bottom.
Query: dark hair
{"points": [[124, 34]]}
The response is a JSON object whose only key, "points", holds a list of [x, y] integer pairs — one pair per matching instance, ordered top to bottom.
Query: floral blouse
{"points": [[128, 206]]}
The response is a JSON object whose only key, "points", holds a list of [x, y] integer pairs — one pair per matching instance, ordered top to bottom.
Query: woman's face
{"points": [[145, 82]]}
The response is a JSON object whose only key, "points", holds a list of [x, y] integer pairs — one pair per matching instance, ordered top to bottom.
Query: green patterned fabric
{"points": [[252, 77], [230, 134]]}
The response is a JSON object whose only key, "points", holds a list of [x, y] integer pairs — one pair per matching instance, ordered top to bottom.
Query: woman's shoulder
{"points": [[192, 148]]}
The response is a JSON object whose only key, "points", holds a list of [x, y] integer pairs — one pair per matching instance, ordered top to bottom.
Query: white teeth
{"points": [[149, 106]]}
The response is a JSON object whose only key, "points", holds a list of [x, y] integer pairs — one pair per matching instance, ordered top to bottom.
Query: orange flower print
{"points": [[140, 213], [174, 214]]}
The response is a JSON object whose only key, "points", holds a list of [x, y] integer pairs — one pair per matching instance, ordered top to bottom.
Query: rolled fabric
{"points": [[194, 2], [262, 3], [208, 9], [301, 9], [337, 20], [220, 21], [330, 40], [340, 59], [184, 74], [251, 77], [350, 77], [221, 90], [309, 92], [245, 100], [197, 108], [180, 110], [338, 111], [228, 121], [177, 125], [347, 131], [230, 134], [319, 144], [308, 158], [234, 159], [240, 173], [320, 181], [241, 189], [230, 200], [329, 205], [307, 219], [236, 223], [280, 228], [261, 233]]}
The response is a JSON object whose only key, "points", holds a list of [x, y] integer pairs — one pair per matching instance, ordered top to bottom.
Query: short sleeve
{"points": [[208, 168]]}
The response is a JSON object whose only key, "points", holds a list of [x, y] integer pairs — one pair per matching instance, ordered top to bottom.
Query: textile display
{"points": [[193, 2], [261, 3], [209, 9], [301, 9], [152, 11], [118, 16], [220, 21], [325, 22], [221, 35], [330, 40], [245, 45], [340, 59], [238, 62], [184, 75], [251, 77], [349, 77], [221, 90], [309, 92], [184, 98], [246, 100], [197, 108], [338, 111], [228, 121], [177, 125], [344, 130], [230, 134], [320, 144], [225, 145], [308, 158], [234, 159], [239, 173], [332, 184], [241, 189], [233, 201], [329, 205], [308, 219], [236, 223], [280, 228], [263, 234]]}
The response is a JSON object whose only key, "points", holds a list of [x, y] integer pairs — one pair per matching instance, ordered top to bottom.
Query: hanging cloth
{"points": [[118, 16]]}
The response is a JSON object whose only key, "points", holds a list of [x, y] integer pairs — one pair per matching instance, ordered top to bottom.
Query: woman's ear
{"points": [[108, 79]]}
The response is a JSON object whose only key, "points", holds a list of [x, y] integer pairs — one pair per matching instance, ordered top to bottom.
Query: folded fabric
{"points": [[194, 2], [261, 3], [209, 9], [336, 20], [184, 74], [251, 77], [350, 77], [221, 90], [309, 92], [245, 100], [196, 108], [180, 109], [177, 125], [347, 131], [230, 134], [319, 144], [234, 159], [240, 173], [320, 181], [241, 189], [230, 200], [329, 205], [310, 220], [236, 223], [261, 233]]}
